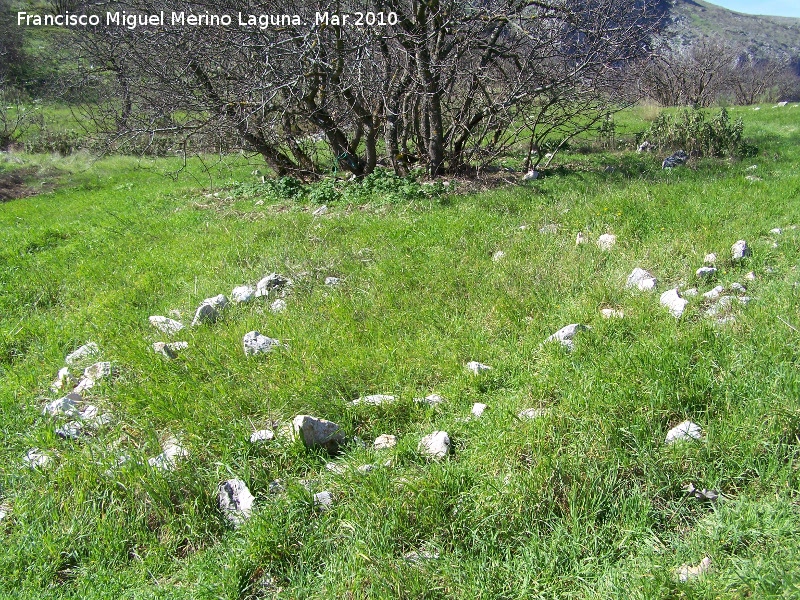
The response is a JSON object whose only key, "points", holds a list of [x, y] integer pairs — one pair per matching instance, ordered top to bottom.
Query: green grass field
{"points": [[584, 501]]}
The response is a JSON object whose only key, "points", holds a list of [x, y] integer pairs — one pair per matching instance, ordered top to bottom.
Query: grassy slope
{"points": [[763, 35], [584, 502]]}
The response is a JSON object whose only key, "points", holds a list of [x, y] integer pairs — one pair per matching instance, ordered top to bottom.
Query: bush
{"points": [[689, 130], [61, 142]]}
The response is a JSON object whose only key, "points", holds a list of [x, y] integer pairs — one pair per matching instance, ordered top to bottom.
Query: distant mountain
{"points": [[763, 36]]}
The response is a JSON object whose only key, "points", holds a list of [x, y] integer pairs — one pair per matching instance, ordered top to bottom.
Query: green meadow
{"points": [[584, 501]]}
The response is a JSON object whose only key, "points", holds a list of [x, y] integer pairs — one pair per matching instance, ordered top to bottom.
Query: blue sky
{"points": [[780, 8]]}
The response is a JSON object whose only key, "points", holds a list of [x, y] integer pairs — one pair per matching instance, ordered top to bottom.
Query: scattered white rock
{"points": [[781, 104], [757, 108], [645, 146], [752, 168], [531, 175], [753, 178], [320, 211], [549, 228], [776, 231], [580, 239], [606, 241], [740, 250], [498, 256], [710, 259], [705, 272], [750, 276], [641, 279], [332, 281], [272, 282], [738, 287], [691, 292], [243, 293], [713, 294], [673, 300], [724, 303], [278, 306], [206, 313], [612, 313], [165, 324], [566, 334], [255, 343], [169, 349], [85, 351], [477, 368], [98, 371], [92, 375], [63, 380], [83, 385], [431, 399], [374, 400], [65, 406], [477, 409], [531, 413], [93, 418], [70, 431], [685, 431], [315, 432], [262, 435], [385, 441], [436, 444], [36, 459], [168, 459], [335, 468], [366, 468], [704, 494], [323, 500], [235, 501], [5, 510], [688, 572]]}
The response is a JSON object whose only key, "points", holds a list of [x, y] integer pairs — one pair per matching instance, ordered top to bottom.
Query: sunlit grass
{"points": [[584, 501]]}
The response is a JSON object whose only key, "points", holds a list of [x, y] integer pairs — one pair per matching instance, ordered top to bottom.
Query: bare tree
{"points": [[694, 75], [752, 79], [448, 83]]}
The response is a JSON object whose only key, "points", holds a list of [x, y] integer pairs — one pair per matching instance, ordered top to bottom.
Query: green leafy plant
{"points": [[691, 131]]}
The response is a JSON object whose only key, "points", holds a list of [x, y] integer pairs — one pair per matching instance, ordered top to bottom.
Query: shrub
{"points": [[689, 130], [61, 142]]}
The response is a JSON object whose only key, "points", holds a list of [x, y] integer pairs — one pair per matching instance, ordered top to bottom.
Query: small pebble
{"points": [[477, 368], [477, 409], [262, 435]]}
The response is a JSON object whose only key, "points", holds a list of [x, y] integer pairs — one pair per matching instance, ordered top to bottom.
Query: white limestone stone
{"points": [[673, 301], [165, 324], [685, 431], [435, 445]]}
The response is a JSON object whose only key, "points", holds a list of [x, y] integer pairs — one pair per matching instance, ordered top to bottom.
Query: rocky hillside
{"points": [[762, 35]]}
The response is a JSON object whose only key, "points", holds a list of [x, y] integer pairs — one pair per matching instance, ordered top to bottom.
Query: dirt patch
{"points": [[12, 185]]}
